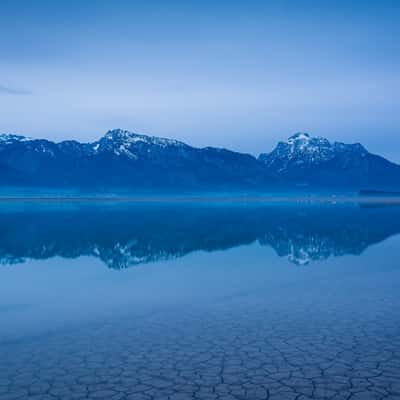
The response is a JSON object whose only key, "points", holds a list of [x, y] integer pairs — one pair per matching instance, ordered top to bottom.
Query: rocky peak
{"points": [[299, 136], [127, 137], [9, 138], [301, 149]]}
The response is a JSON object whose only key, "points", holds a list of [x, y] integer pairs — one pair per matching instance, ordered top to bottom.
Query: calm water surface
{"points": [[199, 301]]}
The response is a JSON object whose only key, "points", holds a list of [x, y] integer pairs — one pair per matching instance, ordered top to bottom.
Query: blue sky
{"points": [[237, 74]]}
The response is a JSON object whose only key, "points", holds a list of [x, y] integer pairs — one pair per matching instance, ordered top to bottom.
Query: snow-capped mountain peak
{"points": [[121, 135], [299, 136], [8, 138], [305, 142], [133, 145], [299, 150], [303, 150], [126, 159]]}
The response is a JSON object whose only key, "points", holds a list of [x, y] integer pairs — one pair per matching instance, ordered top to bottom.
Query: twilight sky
{"points": [[237, 74]]}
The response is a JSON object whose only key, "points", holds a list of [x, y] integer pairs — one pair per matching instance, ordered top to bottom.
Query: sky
{"points": [[235, 74]]}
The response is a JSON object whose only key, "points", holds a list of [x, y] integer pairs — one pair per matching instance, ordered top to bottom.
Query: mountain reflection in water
{"points": [[125, 235]]}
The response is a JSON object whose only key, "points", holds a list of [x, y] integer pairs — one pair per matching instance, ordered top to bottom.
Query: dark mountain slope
{"points": [[133, 162]]}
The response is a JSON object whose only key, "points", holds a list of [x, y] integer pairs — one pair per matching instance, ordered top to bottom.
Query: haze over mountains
{"points": [[129, 161]]}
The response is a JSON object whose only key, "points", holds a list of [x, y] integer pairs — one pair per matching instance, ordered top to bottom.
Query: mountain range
{"points": [[130, 161]]}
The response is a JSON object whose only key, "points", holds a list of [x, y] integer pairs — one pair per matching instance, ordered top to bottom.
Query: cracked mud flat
{"points": [[240, 323], [240, 348]]}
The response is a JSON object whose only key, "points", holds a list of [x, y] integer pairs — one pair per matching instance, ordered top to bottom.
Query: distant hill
{"points": [[129, 161]]}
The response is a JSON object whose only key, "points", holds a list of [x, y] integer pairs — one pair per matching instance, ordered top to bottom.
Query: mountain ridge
{"points": [[124, 159]]}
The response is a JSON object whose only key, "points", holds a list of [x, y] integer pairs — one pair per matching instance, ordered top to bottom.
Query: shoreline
{"points": [[310, 199]]}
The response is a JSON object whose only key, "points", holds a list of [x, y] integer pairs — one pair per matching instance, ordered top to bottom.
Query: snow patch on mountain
{"points": [[9, 138], [128, 138], [303, 150]]}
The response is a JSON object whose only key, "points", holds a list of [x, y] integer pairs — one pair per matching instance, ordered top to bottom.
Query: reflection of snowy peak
{"points": [[125, 236], [301, 248], [121, 256]]}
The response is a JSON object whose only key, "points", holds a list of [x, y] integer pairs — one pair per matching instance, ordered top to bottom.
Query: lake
{"points": [[199, 300]]}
